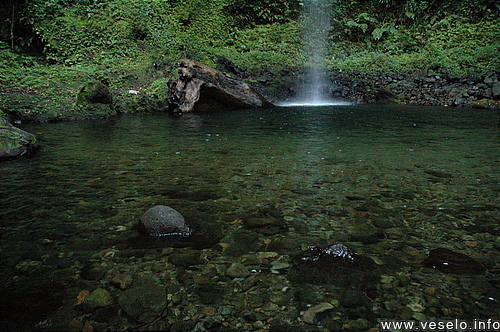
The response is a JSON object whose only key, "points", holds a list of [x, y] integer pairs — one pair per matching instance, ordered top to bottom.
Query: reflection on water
{"points": [[391, 183]]}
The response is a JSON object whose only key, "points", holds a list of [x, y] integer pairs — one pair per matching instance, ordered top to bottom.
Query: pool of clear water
{"points": [[391, 182]]}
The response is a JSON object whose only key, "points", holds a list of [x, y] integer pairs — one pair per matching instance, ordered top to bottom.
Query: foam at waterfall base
{"points": [[308, 103]]}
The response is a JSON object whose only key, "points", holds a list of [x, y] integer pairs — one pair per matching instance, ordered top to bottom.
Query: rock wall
{"points": [[435, 86]]}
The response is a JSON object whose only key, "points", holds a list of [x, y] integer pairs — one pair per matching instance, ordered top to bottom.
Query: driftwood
{"points": [[201, 88]]}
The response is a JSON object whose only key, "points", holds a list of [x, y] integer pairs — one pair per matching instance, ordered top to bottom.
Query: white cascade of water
{"points": [[313, 84]]}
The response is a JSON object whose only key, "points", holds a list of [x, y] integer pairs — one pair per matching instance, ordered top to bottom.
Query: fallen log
{"points": [[202, 88]]}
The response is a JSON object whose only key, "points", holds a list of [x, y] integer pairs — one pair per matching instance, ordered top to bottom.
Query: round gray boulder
{"points": [[162, 220]]}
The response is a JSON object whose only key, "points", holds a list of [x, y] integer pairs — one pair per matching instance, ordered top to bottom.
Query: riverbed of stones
{"points": [[81, 264], [248, 277]]}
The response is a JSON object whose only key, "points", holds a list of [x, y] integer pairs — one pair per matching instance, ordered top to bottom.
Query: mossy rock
{"points": [[94, 99], [15, 142]]}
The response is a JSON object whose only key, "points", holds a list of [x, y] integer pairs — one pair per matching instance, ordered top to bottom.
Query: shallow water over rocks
{"points": [[259, 188]]}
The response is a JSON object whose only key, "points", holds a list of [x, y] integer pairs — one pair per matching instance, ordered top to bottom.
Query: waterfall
{"points": [[313, 84]]}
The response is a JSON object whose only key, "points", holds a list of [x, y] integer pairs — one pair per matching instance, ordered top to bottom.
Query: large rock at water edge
{"points": [[200, 87], [15, 142], [162, 220]]}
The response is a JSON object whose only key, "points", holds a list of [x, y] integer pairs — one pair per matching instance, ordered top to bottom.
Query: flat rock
{"points": [[448, 261], [237, 270], [144, 303], [309, 316]]}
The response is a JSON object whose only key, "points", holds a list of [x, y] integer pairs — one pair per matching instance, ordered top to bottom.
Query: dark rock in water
{"points": [[200, 87], [15, 142], [439, 174], [303, 192], [355, 198], [162, 220], [267, 221], [382, 223], [485, 225], [364, 233], [243, 242], [187, 259], [448, 261], [335, 264], [93, 271], [210, 293], [144, 303]]}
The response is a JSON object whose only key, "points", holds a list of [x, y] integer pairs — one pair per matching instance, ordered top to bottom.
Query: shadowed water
{"points": [[394, 182]]}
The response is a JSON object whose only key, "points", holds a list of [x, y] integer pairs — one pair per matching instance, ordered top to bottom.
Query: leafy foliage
{"points": [[261, 12], [453, 42], [132, 44], [266, 46]]}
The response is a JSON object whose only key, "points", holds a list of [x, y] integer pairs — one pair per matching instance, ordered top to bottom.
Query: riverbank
{"points": [[431, 54], [51, 91]]}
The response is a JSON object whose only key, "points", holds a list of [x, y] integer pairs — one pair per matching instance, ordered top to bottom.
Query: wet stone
{"points": [[439, 174], [162, 220], [382, 223], [365, 234], [243, 242], [187, 259], [448, 261], [334, 264], [237, 270], [93, 271], [123, 280], [210, 293], [99, 298], [354, 298], [143, 303], [309, 316], [360, 324]]}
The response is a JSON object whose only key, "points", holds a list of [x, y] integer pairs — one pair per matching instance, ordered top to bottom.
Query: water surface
{"points": [[391, 182]]}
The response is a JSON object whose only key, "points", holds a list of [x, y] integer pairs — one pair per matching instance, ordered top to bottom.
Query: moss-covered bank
{"points": [[49, 50]]}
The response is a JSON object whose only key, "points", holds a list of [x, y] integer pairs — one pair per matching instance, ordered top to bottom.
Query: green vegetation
{"points": [[50, 48]]}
